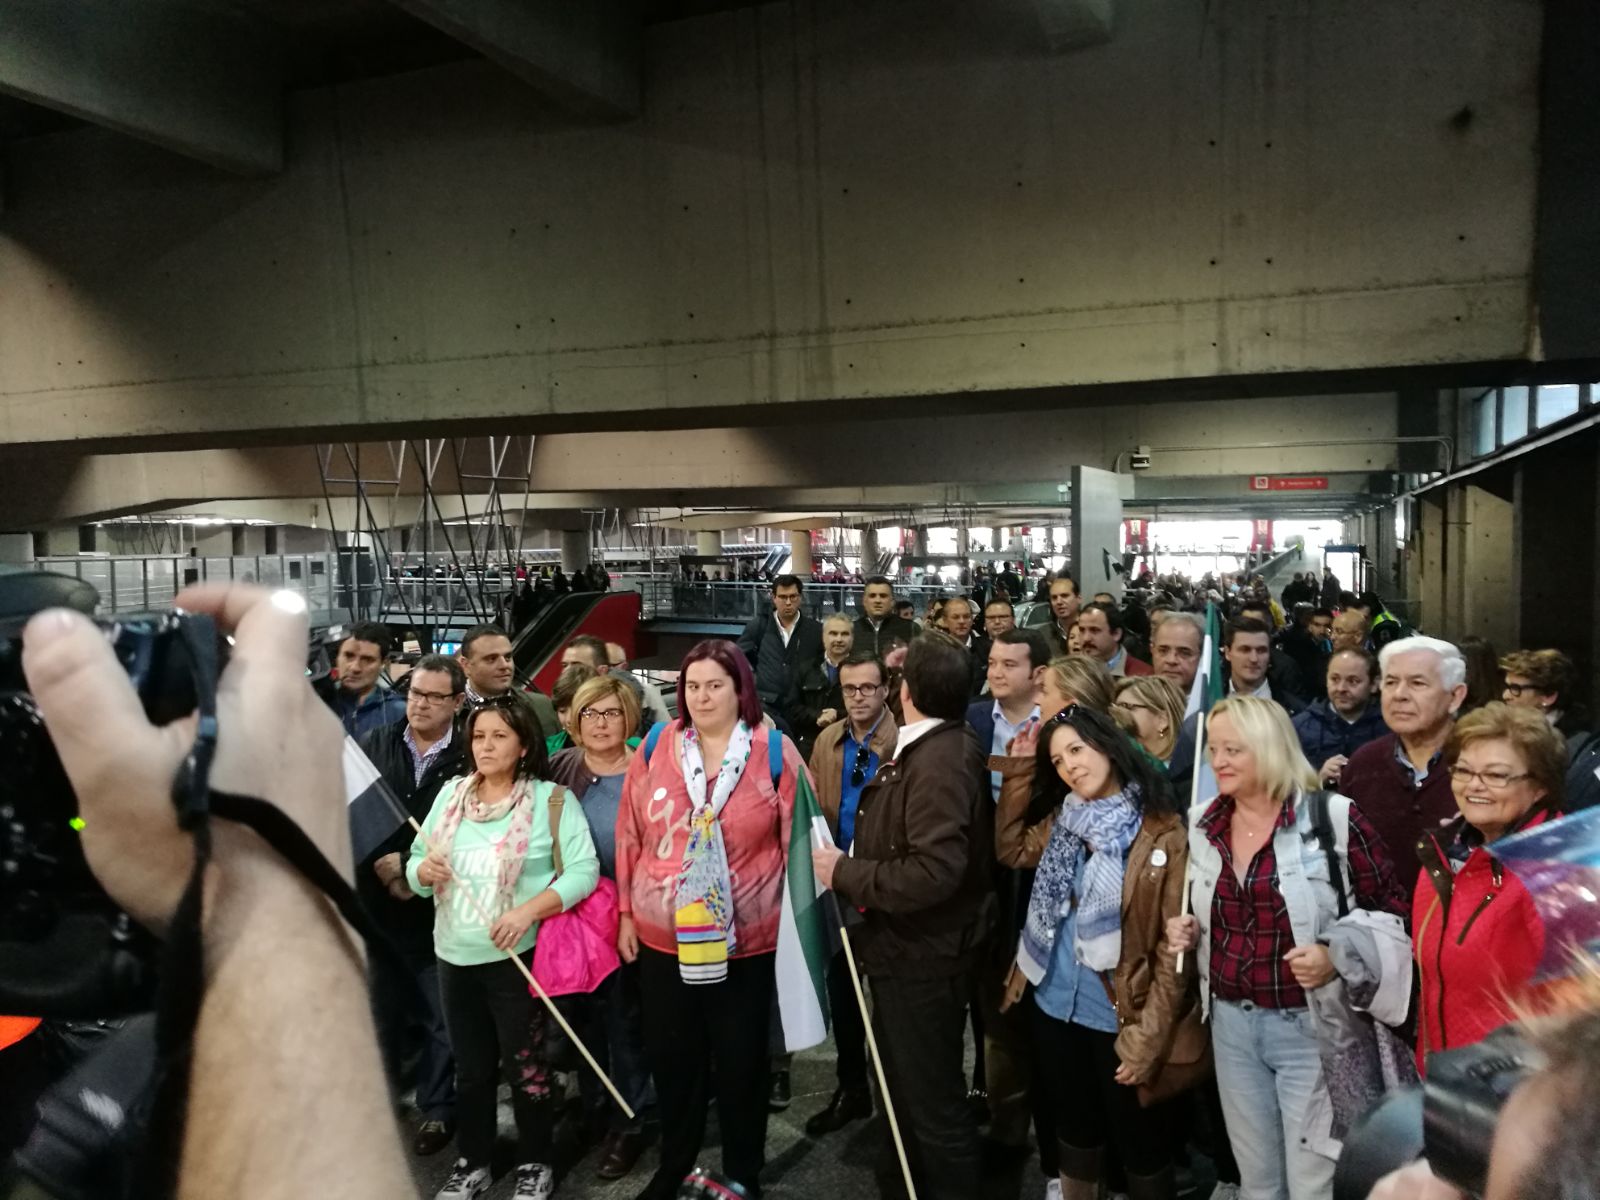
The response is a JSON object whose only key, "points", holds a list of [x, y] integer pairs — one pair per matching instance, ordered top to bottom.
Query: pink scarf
{"points": [[511, 849]]}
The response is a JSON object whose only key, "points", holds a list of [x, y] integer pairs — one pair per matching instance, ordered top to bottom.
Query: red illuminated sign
{"points": [[1288, 483]]}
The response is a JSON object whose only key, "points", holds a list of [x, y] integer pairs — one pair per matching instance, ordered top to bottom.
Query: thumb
{"points": [[87, 701]]}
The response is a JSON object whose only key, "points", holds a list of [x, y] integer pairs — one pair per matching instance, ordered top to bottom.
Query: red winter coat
{"points": [[1477, 940]]}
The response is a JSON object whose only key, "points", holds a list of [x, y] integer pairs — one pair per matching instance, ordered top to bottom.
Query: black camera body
{"points": [[66, 950]]}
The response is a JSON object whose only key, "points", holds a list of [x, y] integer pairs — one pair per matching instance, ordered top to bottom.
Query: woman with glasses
{"points": [[1155, 706], [603, 711], [702, 839], [486, 856], [1477, 936], [1107, 995]]}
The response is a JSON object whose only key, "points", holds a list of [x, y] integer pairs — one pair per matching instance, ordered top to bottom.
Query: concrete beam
{"points": [[582, 54], [189, 78], [812, 217], [681, 468]]}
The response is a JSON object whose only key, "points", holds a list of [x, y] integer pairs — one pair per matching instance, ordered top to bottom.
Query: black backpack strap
{"points": [[1322, 830]]}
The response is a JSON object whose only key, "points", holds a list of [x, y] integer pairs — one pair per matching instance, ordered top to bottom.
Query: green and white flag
{"points": [[1203, 696], [808, 930]]}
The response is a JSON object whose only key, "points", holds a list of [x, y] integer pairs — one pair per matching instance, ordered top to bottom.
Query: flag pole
{"points": [[1194, 799], [534, 984], [877, 1064]]}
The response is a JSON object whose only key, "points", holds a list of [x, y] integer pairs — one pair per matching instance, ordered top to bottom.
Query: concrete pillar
{"points": [[1096, 529], [88, 539], [997, 539], [919, 540], [963, 541], [708, 545], [16, 549], [574, 549], [869, 550], [800, 553], [1426, 573], [1481, 595]]}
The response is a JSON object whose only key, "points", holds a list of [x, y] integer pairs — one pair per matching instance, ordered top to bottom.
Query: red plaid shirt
{"points": [[1250, 931]]}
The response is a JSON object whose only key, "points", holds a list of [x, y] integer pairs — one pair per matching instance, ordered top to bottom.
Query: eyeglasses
{"points": [[857, 690], [1515, 690], [434, 697], [1129, 706], [604, 715], [1495, 781]]}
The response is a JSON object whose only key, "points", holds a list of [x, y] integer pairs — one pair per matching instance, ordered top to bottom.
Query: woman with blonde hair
{"points": [[1075, 679], [1155, 706], [603, 711], [1276, 868]]}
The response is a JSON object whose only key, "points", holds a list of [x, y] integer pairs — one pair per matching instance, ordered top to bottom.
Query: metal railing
{"points": [[130, 583], [742, 601]]}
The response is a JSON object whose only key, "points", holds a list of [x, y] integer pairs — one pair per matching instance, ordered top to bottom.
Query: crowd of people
{"points": [[1150, 963]]}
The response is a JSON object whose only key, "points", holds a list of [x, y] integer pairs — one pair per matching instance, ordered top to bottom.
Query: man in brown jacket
{"points": [[846, 758], [919, 869]]}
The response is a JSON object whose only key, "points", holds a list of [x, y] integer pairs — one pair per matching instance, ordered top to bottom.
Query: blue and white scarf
{"points": [[1107, 827], [707, 937]]}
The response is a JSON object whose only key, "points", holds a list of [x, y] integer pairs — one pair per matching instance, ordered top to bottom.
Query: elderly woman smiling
{"points": [[1478, 938]]}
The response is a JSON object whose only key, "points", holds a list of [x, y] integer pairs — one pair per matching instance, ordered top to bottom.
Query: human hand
{"points": [[827, 717], [276, 740], [1025, 744], [1331, 769], [823, 861], [388, 868], [434, 870], [399, 889], [511, 926], [1183, 934], [627, 938], [1311, 966], [1016, 984], [1127, 1076], [1414, 1182]]}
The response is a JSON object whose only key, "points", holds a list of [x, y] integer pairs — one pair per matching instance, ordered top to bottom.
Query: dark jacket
{"points": [[866, 638], [1309, 657], [774, 663], [812, 689], [1324, 733], [1399, 810], [920, 863], [408, 922]]}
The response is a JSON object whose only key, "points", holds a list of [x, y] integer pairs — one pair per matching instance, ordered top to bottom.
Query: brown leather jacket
{"points": [[827, 761], [920, 867], [1150, 994]]}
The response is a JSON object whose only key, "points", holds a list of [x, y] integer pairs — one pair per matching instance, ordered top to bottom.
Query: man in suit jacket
{"points": [[1100, 635], [781, 643]]}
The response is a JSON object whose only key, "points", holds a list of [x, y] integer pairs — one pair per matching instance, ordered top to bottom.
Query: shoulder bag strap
{"points": [[652, 738], [775, 755], [557, 801], [1322, 827]]}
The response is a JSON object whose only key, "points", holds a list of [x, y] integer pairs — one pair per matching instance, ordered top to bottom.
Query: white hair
{"points": [[838, 619], [1452, 666]]}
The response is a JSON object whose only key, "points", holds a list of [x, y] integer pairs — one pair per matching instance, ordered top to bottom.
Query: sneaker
{"points": [[778, 1098], [535, 1181], [465, 1183], [1052, 1190]]}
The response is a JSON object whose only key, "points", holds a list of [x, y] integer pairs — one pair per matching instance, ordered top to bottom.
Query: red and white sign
{"points": [[1288, 483], [1261, 534]]}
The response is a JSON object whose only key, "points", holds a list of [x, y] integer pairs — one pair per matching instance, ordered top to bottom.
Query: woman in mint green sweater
{"points": [[486, 858]]}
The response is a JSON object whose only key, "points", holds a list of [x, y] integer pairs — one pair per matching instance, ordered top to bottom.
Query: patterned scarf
{"points": [[1107, 827], [510, 850], [704, 899]]}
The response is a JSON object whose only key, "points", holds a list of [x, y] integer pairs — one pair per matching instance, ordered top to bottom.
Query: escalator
{"points": [[609, 616]]}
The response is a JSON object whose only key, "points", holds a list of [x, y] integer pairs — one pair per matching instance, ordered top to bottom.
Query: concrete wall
{"points": [[824, 201], [1096, 529]]}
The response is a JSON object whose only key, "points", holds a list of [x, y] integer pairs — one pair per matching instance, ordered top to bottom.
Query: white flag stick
{"points": [[1194, 799], [534, 984]]}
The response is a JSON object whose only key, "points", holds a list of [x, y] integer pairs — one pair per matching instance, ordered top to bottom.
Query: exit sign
{"points": [[1288, 483]]}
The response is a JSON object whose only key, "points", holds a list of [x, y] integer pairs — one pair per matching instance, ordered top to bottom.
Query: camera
{"points": [[1139, 458], [66, 949], [1450, 1119]]}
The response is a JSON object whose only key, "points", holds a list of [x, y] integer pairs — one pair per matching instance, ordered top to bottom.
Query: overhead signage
{"points": [[1288, 483]]}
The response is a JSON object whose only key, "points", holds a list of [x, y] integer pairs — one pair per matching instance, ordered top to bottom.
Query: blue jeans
{"points": [[1269, 1070]]}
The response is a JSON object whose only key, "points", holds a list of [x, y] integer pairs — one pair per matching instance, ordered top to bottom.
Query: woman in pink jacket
{"points": [[702, 841]]}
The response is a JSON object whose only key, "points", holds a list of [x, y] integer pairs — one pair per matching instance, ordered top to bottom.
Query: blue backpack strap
{"points": [[652, 738], [775, 755]]}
